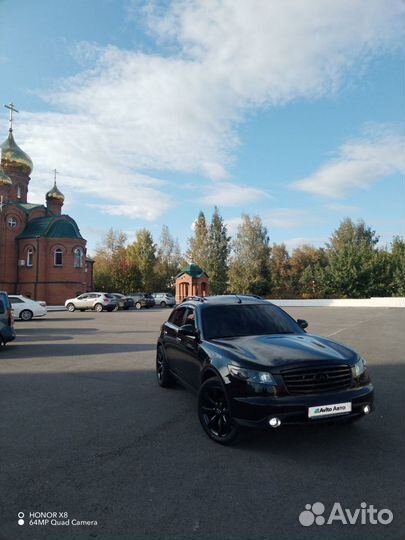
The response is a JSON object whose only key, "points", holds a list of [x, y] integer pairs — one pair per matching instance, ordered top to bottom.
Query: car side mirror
{"points": [[302, 323], [188, 330]]}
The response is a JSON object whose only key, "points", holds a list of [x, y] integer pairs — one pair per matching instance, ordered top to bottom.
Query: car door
{"points": [[80, 301], [17, 305], [170, 329], [187, 352]]}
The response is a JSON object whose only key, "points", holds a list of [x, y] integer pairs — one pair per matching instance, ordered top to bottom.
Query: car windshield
{"points": [[246, 320]]}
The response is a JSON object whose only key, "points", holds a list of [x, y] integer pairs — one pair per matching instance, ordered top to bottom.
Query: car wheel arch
{"points": [[210, 373]]}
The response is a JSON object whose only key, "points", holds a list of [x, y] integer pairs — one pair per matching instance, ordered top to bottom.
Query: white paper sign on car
{"points": [[327, 410]]}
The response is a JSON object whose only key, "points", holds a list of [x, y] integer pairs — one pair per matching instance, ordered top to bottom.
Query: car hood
{"points": [[281, 349]]}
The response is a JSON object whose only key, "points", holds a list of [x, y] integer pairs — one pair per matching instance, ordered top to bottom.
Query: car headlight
{"points": [[359, 367], [251, 375]]}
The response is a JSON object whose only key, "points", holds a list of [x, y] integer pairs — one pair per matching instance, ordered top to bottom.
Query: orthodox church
{"points": [[42, 253]]}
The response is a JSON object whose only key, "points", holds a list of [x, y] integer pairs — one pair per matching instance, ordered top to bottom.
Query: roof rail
{"points": [[196, 298]]}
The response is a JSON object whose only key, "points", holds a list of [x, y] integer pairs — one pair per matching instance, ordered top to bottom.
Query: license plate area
{"points": [[329, 410]]}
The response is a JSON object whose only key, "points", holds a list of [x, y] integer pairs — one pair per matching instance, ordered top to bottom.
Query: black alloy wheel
{"points": [[163, 375], [214, 414]]}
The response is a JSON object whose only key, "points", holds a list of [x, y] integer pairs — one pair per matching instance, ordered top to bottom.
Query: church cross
{"points": [[12, 109]]}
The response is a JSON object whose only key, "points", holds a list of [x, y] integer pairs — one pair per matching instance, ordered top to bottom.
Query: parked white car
{"points": [[24, 308]]}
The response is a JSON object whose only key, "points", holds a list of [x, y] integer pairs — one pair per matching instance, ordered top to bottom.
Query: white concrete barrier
{"points": [[397, 302]]}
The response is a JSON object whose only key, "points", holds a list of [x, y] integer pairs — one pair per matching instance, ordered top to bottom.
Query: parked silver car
{"points": [[164, 299], [92, 300]]}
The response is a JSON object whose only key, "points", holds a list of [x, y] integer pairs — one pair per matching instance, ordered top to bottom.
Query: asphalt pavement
{"points": [[87, 434]]}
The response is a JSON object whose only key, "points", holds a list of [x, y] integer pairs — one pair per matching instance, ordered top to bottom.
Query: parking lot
{"points": [[85, 430]]}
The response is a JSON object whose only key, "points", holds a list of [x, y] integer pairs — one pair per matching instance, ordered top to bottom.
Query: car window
{"points": [[82, 296], [15, 300], [2, 307], [177, 316], [190, 317], [246, 320]]}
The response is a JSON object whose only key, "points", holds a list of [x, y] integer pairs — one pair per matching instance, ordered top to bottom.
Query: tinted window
{"points": [[15, 300], [2, 309], [177, 316], [190, 317], [246, 320]]}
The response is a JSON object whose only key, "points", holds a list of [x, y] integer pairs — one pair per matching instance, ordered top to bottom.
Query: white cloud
{"points": [[128, 111], [358, 165], [229, 194], [343, 208], [288, 218], [292, 243]]}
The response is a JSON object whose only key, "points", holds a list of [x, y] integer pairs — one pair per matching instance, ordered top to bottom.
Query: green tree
{"points": [[198, 251], [142, 253], [218, 253], [108, 255], [351, 256], [169, 260], [307, 264], [398, 266], [249, 271], [280, 271]]}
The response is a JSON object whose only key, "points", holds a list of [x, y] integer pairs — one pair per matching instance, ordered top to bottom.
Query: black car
{"points": [[142, 300], [123, 302], [7, 331], [255, 366]]}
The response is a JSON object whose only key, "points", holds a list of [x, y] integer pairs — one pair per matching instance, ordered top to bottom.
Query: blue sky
{"points": [[154, 110]]}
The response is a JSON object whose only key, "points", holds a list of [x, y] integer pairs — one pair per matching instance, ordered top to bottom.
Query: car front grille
{"points": [[316, 379]]}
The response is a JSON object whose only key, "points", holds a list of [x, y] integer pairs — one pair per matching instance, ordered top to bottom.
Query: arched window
{"points": [[18, 192], [30, 254], [58, 257], [78, 258]]}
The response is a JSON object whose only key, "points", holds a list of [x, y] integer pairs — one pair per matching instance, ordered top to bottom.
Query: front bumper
{"points": [[8, 333], [257, 411]]}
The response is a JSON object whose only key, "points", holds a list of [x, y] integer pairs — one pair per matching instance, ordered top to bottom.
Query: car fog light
{"points": [[366, 409], [274, 422]]}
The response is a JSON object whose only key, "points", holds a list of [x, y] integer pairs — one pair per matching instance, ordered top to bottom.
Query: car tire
{"points": [[163, 304], [138, 305], [70, 307], [98, 308], [116, 308], [26, 315], [164, 378], [214, 414]]}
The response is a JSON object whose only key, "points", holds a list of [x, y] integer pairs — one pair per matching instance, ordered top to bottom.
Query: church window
{"points": [[18, 192], [12, 222], [29, 256], [58, 257], [78, 257]]}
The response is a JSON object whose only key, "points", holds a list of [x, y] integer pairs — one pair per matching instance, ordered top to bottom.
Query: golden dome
{"points": [[13, 157], [4, 179], [55, 194]]}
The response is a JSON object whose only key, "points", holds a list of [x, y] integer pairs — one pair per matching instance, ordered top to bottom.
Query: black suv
{"points": [[7, 332], [255, 366]]}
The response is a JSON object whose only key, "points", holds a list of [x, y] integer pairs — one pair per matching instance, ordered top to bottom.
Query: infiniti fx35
{"points": [[252, 365]]}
